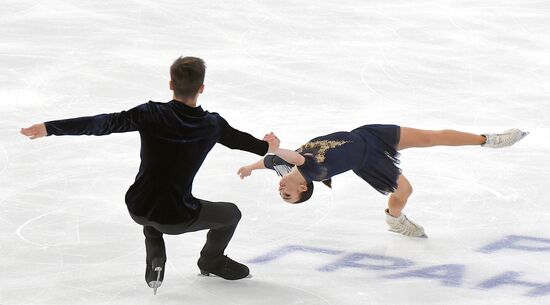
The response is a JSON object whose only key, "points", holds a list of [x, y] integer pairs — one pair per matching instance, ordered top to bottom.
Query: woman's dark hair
{"points": [[187, 76], [304, 196]]}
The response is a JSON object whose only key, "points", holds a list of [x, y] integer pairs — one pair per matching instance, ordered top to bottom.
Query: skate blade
{"points": [[421, 236], [206, 273], [156, 284]]}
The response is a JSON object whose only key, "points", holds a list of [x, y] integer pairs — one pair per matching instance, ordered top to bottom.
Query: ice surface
{"points": [[301, 69]]}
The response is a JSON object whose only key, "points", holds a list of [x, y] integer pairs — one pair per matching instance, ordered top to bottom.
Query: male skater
{"points": [[175, 139]]}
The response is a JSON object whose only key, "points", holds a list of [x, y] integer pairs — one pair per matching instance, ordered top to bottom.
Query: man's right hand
{"points": [[35, 131], [273, 142]]}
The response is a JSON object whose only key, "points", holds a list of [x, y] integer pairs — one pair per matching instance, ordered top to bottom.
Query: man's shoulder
{"points": [[156, 104], [149, 105], [154, 107], [214, 115]]}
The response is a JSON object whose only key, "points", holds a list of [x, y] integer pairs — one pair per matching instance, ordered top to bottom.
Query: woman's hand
{"points": [[35, 131], [244, 171]]}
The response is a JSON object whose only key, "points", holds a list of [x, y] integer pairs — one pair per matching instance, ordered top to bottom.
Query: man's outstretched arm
{"points": [[98, 125], [236, 139]]}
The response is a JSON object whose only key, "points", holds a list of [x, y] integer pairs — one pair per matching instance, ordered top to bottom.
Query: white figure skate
{"points": [[504, 139], [403, 225]]}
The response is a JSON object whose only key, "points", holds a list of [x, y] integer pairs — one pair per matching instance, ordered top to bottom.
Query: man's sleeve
{"points": [[100, 125], [235, 139], [280, 166]]}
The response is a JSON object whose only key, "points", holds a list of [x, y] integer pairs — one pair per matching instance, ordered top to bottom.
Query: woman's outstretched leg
{"points": [[412, 137]]}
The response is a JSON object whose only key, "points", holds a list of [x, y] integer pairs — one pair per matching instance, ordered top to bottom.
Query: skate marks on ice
{"points": [[4, 160], [19, 231], [451, 274], [181, 285], [255, 291]]}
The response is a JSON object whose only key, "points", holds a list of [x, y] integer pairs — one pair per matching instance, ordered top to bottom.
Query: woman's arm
{"points": [[290, 156], [246, 170]]}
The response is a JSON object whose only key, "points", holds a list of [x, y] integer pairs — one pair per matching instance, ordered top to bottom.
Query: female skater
{"points": [[371, 152]]}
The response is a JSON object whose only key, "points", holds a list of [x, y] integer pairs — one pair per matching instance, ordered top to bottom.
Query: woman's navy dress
{"points": [[370, 151]]}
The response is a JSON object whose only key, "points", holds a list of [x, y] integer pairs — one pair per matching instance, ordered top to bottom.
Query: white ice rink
{"points": [[300, 69]]}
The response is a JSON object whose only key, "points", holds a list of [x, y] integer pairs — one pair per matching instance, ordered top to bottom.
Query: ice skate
{"points": [[504, 139], [404, 226], [155, 258], [223, 267], [154, 274]]}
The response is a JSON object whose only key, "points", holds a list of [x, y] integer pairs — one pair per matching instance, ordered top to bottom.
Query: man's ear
{"points": [[171, 85], [201, 89], [303, 188]]}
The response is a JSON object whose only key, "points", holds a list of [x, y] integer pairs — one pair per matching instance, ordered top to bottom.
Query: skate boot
{"points": [[504, 139], [404, 226], [155, 258], [223, 267], [154, 273]]}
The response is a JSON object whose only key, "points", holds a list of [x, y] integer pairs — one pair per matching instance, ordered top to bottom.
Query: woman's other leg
{"points": [[398, 199], [396, 220]]}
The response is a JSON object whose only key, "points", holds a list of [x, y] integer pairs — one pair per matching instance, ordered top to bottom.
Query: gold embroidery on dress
{"points": [[322, 147]]}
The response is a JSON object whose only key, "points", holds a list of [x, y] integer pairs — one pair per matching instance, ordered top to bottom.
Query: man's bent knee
{"points": [[235, 212]]}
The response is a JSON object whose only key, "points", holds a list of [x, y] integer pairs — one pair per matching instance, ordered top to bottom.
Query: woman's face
{"points": [[290, 189]]}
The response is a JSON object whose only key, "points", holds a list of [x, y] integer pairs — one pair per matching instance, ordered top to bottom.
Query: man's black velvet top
{"points": [[175, 140]]}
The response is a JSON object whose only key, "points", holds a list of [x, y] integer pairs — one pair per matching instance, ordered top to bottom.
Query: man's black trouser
{"points": [[221, 218]]}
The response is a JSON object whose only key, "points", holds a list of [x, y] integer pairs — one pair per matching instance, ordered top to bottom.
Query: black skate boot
{"points": [[155, 259], [223, 267], [154, 273]]}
